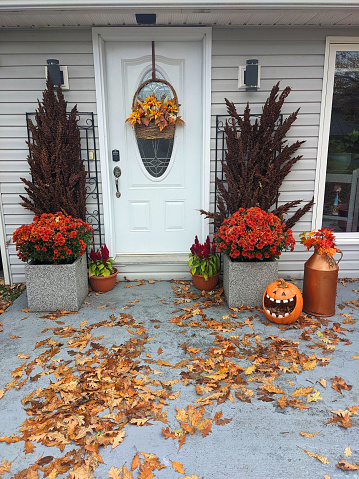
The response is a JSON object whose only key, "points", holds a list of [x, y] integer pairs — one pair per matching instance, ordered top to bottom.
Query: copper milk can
{"points": [[320, 285]]}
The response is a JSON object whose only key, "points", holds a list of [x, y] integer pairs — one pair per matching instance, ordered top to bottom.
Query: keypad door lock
{"points": [[117, 173]]}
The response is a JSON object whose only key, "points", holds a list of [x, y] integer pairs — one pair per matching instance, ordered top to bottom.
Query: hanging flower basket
{"points": [[154, 118]]}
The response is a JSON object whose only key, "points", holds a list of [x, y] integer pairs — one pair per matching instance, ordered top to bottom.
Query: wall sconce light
{"points": [[146, 18], [59, 74], [249, 76]]}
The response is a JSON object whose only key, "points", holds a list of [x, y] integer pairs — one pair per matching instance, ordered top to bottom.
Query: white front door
{"points": [[156, 216]]}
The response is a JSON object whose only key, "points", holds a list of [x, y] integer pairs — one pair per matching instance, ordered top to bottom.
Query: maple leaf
{"points": [[320, 458], [178, 467], [347, 467]]}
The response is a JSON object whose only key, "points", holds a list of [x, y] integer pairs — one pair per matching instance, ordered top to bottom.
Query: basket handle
{"points": [[158, 80]]}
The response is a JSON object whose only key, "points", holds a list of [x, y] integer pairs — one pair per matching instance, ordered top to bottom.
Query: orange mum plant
{"points": [[161, 112], [253, 235], [52, 239]]}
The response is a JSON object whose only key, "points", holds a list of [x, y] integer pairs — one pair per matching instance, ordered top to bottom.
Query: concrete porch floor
{"points": [[261, 440]]}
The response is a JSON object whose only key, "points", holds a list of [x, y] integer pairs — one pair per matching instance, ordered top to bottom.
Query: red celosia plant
{"points": [[253, 235], [53, 239], [323, 241], [204, 259], [101, 263]]}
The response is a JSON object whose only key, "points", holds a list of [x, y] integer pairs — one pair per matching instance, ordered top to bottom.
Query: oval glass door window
{"points": [[155, 152]]}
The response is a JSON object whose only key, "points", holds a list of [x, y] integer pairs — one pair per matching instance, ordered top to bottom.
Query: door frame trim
{"points": [[106, 34]]}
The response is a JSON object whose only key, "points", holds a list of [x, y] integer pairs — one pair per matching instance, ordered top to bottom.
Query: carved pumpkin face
{"points": [[282, 302]]}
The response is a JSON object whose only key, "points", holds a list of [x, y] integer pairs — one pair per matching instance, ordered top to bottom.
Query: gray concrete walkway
{"points": [[182, 347]]}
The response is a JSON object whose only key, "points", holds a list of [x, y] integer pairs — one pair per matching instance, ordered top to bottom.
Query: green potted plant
{"points": [[251, 241], [54, 247], [204, 264], [101, 272]]}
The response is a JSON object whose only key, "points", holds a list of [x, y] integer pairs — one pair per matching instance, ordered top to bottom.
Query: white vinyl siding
{"points": [[23, 56], [295, 57]]}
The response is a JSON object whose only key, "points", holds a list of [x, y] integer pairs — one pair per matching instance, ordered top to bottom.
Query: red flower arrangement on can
{"points": [[253, 235], [53, 239], [322, 240], [204, 259]]}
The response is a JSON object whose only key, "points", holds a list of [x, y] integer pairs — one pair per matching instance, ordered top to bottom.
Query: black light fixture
{"points": [[146, 18], [56, 75], [249, 76]]}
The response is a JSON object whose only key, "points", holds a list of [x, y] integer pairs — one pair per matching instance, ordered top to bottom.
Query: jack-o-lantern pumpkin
{"points": [[282, 302]]}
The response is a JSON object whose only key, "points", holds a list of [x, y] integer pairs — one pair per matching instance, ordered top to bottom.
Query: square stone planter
{"points": [[245, 282], [56, 286]]}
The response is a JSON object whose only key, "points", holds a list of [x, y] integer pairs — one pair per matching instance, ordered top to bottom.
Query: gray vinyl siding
{"points": [[23, 56], [295, 57]]}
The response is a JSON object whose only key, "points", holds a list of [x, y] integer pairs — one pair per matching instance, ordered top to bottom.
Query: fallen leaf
{"points": [[101, 307], [15, 337], [159, 351], [23, 356], [355, 357], [323, 382], [339, 384], [302, 392], [315, 397], [308, 435], [348, 451], [320, 458], [136, 461], [5, 466], [178, 467], [347, 467], [114, 473]]}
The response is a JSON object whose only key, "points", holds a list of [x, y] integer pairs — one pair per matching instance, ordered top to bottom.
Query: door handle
{"points": [[117, 173]]}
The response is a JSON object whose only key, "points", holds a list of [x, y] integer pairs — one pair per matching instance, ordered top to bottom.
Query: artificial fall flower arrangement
{"points": [[161, 112], [253, 235], [53, 239], [322, 240], [203, 258], [101, 263]]}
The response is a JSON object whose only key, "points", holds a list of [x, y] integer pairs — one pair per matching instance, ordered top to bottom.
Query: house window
{"points": [[339, 148]]}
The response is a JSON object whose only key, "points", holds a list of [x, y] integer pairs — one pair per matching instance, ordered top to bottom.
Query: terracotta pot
{"points": [[102, 284], [202, 284], [320, 285]]}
